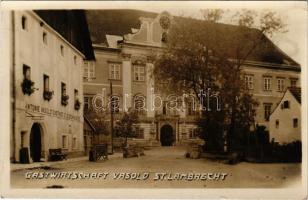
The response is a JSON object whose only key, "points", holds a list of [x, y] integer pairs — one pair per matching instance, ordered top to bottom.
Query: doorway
{"points": [[166, 135], [36, 142]]}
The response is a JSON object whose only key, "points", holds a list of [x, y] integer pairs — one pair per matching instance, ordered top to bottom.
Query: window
{"points": [[24, 23], [45, 37], [62, 50], [75, 60], [89, 70], [114, 71], [26, 72], [139, 73], [249, 82], [293, 82], [46, 83], [267, 83], [280, 84], [63, 89], [47, 94], [75, 94], [64, 96], [87, 103], [139, 103], [115, 104], [286, 104], [164, 109], [267, 111], [277, 123], [295, 123], [139, 132], [193, 133], [64, 142], [74, 143]]}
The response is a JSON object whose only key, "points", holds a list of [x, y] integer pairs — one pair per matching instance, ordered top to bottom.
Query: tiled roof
{"points": [[121, 22], [73, 26], [296, 92]]}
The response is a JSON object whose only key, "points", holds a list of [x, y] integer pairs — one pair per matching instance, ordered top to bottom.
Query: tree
{"points": [[203, 54], [98, 120], [125, 127]]}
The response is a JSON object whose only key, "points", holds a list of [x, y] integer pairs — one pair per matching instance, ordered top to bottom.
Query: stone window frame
{"points": [[114, 70], [89, 71], [139, 73], [249, 81], [46, 83], [267, 83], [280, 84], [87, 101], [267, 110], [74, 142], [65, 143]]}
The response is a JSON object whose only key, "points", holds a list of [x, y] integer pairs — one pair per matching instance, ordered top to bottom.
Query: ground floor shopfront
{"points": [[38, 129]]}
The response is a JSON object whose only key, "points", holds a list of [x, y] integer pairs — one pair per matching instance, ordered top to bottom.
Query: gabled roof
{"points": [[113, 22], [122, 22], [73, 26], [296, 92]]}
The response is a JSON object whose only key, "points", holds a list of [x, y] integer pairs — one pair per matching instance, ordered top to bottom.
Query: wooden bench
{"points": [[99, 151], [57, 154]]}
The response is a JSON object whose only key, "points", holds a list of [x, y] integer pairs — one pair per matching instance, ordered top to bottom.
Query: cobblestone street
{"points": [[169, 160]]}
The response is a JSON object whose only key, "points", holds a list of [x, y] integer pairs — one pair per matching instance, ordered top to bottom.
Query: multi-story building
{"points": [[124, 41], [48, 49]]}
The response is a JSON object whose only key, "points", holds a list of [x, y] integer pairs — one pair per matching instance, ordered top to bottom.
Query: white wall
{"points": [[47, 59], [286, 133]]}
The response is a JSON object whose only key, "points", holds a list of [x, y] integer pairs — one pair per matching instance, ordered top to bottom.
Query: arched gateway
{"points": [[166, 135], [36, 142]]}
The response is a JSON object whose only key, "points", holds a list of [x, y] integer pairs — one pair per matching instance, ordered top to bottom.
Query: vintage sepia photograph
{"points": [[149, 95]]}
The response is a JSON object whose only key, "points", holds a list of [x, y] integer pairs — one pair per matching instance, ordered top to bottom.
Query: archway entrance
{"points": [[166, 135], [36, 142]]}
